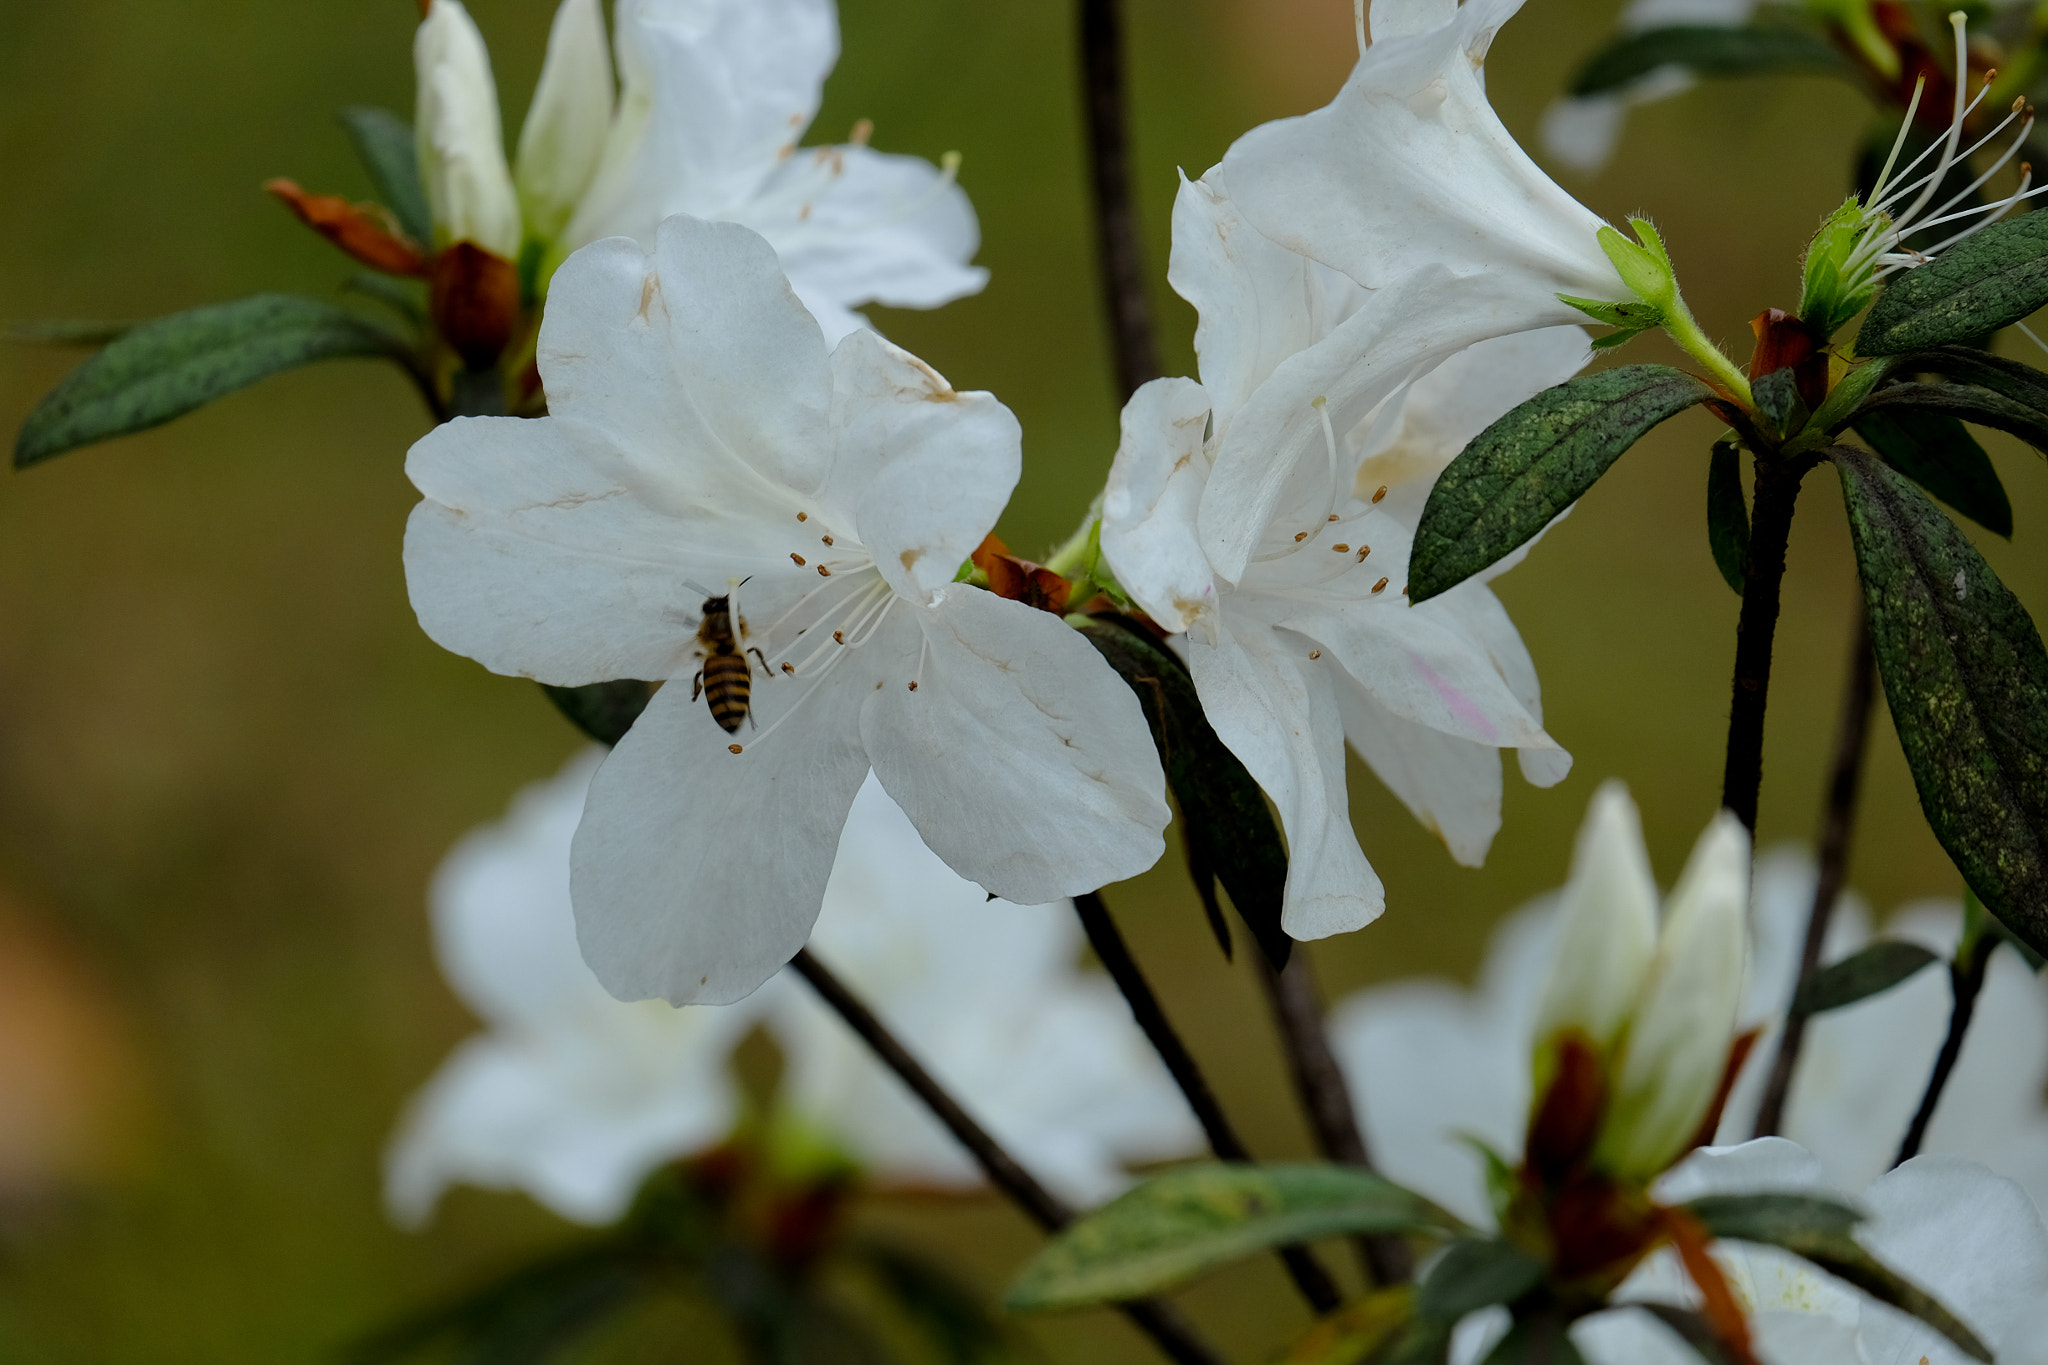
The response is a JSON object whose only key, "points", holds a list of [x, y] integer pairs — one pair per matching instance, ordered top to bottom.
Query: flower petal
{"points": [[920, 471], [1149, 506], [1277, 712], [1023, 760], [1451, 785], [697, 872]]}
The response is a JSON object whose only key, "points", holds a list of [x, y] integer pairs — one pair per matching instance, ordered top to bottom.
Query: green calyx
{"points": [[1645, 267], [1835, 289]]}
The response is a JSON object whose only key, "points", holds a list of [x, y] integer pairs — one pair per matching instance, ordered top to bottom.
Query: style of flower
{"points": [[713, 98], [703, 443], [1309, 639], [1458, 1058], [576, 1098]]}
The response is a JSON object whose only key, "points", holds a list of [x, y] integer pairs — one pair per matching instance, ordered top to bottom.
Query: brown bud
{"points": [[475, 302]]}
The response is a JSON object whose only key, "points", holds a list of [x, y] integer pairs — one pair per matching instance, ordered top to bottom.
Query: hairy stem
{"points": [[1116, 216], [1777, 489], [1844, 782], [1107, 940], [1966, 981], [1325, 1095], [1175, 1337]]}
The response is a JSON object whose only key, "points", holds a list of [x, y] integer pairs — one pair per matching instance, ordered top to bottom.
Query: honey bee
{"points": [[725, 682]]}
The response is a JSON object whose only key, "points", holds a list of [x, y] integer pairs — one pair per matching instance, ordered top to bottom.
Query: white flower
{"points": [[714, 98], [461, 141], [701, 435], [1310, 640], [987, 995], [1458, 1058], [570, 1095], [575, 1097], [1969, 1237]]}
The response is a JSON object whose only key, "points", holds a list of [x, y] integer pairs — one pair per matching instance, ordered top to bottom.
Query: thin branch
{"points": [[1116, 215], [1777, 489], [1852, 731], [1107, 940], [1966, 981], [1325, 1095], [1171, 1332]]}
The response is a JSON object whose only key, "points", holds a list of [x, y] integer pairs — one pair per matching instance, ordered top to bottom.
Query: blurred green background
{"points": [[229, 760]]}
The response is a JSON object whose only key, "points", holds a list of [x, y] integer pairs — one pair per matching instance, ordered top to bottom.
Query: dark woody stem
{"points": [[1116, 217], [1770, 531], [1844, 783], [1107, 940], [1966, 981], [1325, 1095], [1172, 1333]]}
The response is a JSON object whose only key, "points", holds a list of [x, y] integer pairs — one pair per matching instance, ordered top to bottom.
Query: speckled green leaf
{"points": [[1709, 50], [385, 143], [1975, 287], [166, 368], [1965, 403], [1937, 452], [1518, 474], [1727, 514], [1967, 680], [1874, 970], [1771, 1218], [1175, 1226], [1476, 1274]]}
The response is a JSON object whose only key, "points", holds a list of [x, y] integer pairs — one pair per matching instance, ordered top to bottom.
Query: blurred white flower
{"points": [[714, 97], [701, 434], [1310, 640], [1457, 1059], [576, 1098], [1971, 1238]]}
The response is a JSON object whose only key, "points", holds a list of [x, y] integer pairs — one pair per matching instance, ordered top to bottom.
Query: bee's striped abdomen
{"points": [[728, 687]]}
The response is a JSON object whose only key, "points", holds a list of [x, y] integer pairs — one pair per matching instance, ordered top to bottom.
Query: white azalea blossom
{"points": [[713, 99], [701, 436], [1312, 640], [1458, 1057], [575, 1097]]}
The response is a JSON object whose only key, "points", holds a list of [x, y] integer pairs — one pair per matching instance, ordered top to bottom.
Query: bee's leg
{"points": [[764, 662], [697, 685]]}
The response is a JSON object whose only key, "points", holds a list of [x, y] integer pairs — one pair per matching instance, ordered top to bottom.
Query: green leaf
{"points": [[1709, 50], [390, 154], [1978, 285], [406, 298], [73, 332], [168, 367], [2023, 384], [1778, 401], [1965, 403], [1937, 452], [1518, 474], [1727, 514], [1967, 680], [604, 711], [1226, 827], [1875, 969], [1770, 1218], [1175, 1226], [1841, 1256], [1477, 1274], [944, 1311], [521, 1317], [1692, 1328], [1362, 1332], [1544, 1340]]}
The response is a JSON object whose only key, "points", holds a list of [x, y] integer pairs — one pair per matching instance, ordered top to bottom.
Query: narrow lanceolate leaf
{"points": [[1708, 50], [385, 143], [1975, 287], [67, 332], [1966, 364], [166, 368], [1965, 403], [1937, 452], [1522, 471], [1727, 514], [1967, 680], [604, 711], [1225, 824], [1874, 970], [1770, 1218], [1175, 1226], [1841, 1256], [1476, 1274]]}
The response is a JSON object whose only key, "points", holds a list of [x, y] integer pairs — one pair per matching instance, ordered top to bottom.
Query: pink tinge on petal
{"points": [[1468, 712]]}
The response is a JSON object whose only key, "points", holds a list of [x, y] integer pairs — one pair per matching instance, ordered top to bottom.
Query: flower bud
{"points": [[566, 126], [461, 143], [1608, 930], [1676, 1047]]}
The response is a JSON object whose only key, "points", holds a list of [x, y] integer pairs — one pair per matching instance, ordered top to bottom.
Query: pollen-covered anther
{"points": [[1379, 493], [803, 516], [1335, 517], [1300, 536], [826, 539], [1341, 548], [1363, 551], [800, 561], [824, 572], [1380, 586], [838, 637], [1315, 654], [789, 668], [913, 685], [733, 748]]}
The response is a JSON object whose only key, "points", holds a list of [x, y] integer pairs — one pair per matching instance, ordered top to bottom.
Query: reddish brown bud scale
{"points": [[365, 232], [475, 302], [1020, 580]]}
